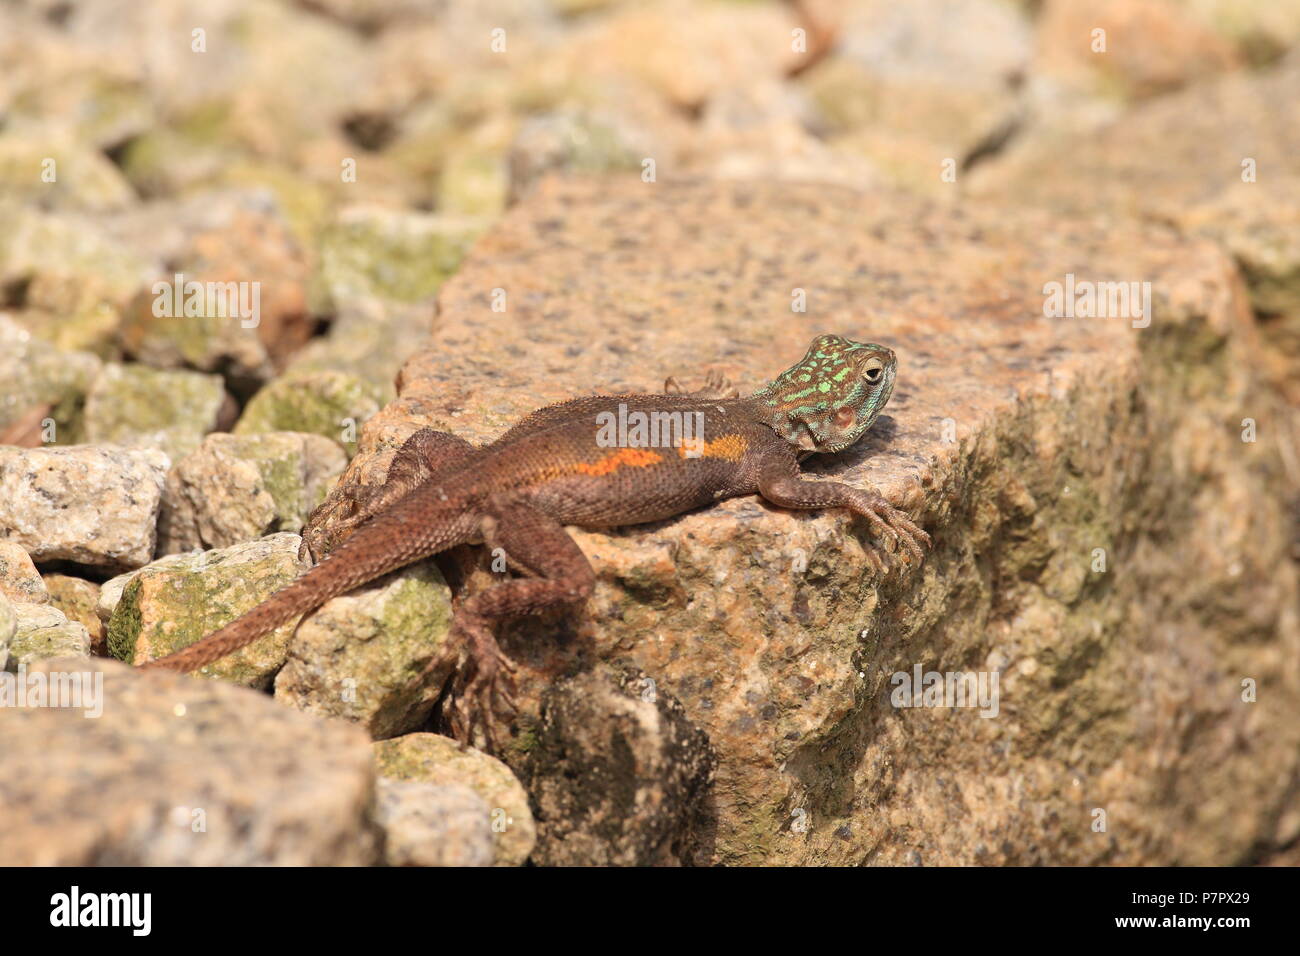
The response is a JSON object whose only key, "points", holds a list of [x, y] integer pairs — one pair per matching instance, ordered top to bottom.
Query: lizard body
{"points": [[594, 462]]}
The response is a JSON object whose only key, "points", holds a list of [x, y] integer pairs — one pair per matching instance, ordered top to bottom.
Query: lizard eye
{"points": [[873, 373]]}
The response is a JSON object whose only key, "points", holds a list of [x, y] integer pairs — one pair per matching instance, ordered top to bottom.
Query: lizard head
{"points": [[832, 396]]}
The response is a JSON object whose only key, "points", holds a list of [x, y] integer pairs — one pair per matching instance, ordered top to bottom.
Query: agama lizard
{"points": [[557, 467]]}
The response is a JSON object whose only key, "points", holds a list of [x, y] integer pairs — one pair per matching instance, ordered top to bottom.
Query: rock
{"points": [[1151, 46], [726, 47], [61, 88], [906, 96], [574, 141], [62, 174], [475, 181], [1243, 191], [369, 252], [75, 274], [235, 302], [370, 340], [45, 387], [332, 404], [142, 407], [1023, 443], [236, 488], [95, 506], [19, 580], [110, 592], [77, 599], [171, 604], [8, 627], [43, 631], [362, 655], [436, 760], [179, 772], [618, 774], [428, 825]]}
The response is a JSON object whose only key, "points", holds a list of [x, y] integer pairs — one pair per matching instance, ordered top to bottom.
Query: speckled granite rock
{"points": [[907, 94], [1206, 134], [63, 174], [372, 252], [252, 312], [369, 339], [41, 383], [328, 403], [142, 407], [1023, 443], [236, 488], [93, 505], [19, 579], [77, 599], [172, 603], [8, 627], [43, 631], [360, 655], [438, 760], [181, 772], [618, 773], [426, 824]]}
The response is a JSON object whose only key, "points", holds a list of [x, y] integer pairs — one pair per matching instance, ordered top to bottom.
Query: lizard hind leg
{"points": [[421, 458], [538, 545]]}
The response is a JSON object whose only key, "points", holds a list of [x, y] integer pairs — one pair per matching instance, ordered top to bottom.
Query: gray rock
{"points": [[372, 252], [42, 382], [328, 403], [138, 406], [236, 488], [88, 504], [19, 579], [175, 602], [8, 627], [43, 631], [362, 654], [439, 760], [176, 772], [619, 776], [428, 824]]}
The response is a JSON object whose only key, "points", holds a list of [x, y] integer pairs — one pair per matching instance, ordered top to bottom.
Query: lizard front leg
{"points": [[422, 456], [780, 482], [538, 545]]}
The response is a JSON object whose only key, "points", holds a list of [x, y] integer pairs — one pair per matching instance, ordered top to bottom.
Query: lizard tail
{"points": [[407, 532]]}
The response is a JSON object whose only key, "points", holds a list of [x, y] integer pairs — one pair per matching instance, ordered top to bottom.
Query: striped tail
{"points": [[405, 533]]}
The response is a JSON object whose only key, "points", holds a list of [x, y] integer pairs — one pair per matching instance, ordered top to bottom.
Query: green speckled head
{"points": [[829, 400]]}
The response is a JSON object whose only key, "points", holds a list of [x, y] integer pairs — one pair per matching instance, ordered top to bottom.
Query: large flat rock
{"points": [[1105, 542], [163, 770]]}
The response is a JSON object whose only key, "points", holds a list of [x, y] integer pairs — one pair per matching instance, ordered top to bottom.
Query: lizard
{"points": [[560, 466]]}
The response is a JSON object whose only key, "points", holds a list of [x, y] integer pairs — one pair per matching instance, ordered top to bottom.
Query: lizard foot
{"points": [[716, 385], [894, 526], [484, 687]]}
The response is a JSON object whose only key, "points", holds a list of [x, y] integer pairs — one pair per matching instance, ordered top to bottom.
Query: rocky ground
{"points": [[455, 212]]}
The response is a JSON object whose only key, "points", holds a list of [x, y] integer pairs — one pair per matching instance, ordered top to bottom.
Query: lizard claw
{"points": [[899, 532], [485, 688]]}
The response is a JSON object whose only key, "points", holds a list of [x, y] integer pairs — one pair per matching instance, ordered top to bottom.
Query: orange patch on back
{"points": [[729, 447], [623, 458]]}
